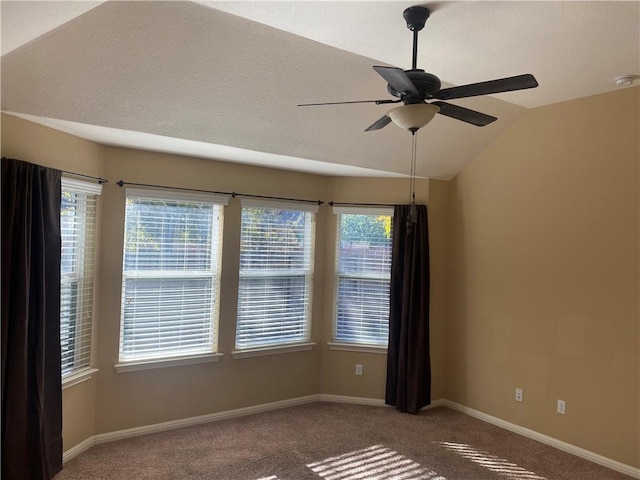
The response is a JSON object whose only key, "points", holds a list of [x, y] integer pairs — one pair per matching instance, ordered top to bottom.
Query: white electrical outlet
{"points": [[358, 369], [519, 395], [562, 406]]}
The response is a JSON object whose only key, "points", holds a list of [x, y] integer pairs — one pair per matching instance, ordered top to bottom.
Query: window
{"points": [[77, 229], [363, 267], [171, 269], [275, 273]]}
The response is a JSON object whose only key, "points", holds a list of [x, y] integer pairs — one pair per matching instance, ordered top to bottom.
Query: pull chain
{"points": [[412, 200]]}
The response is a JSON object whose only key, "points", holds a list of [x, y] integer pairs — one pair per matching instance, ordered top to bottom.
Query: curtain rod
{"points": [[100, 180], [122, 183], [351, 204]]}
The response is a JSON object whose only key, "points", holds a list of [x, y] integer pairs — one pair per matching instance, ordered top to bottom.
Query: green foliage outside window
{"points": [[376, 229]]}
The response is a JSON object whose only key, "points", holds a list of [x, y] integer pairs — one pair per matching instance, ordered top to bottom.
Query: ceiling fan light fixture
{"points": [[412, 117]]}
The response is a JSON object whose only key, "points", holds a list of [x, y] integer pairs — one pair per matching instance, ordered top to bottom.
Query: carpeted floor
{"points": [[333, 441]]}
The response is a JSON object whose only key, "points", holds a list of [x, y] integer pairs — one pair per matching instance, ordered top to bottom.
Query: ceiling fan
{"points": [[414, 87]]}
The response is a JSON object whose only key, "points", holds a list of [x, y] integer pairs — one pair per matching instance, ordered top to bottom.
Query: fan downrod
{"points": [[416, 17]]}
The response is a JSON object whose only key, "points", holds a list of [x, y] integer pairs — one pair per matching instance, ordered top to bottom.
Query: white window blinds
{"points": [[78, 232], [171, 269], [363, 271], [275, 273]]}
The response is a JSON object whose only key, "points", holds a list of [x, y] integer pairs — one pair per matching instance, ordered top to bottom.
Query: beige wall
{"points": [[36, 144], [544, 275]]}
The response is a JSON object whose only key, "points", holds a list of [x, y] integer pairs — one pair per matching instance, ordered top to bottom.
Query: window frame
{"points": [[83, 275], [337, 343], [276, 347], [128, 363]]}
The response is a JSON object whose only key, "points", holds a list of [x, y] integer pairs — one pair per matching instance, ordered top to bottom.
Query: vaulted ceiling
{"points": [[222, 80]]}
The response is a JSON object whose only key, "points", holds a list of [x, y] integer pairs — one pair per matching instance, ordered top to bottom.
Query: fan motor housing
{"points": [[426, 83]]}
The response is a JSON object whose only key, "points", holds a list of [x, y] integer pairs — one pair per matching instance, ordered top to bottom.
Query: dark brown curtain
{"points": [[408, 360], [31, 376]]}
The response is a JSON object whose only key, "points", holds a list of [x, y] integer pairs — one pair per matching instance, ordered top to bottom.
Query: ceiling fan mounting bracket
{"points": [[416, 17]]}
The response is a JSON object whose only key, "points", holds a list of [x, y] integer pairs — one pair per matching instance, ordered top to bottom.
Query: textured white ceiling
{"points": [[23, 21], [222, 79]]}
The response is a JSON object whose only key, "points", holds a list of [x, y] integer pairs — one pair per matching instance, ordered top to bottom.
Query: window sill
{"points": [[354, 347], [262, 351], [137, 365], [79, 377]]}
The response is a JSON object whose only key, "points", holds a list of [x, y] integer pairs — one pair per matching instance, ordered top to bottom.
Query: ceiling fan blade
{"points": [[397, 78], [519, 82], [377, 102], [464, 114], [378, 124]]}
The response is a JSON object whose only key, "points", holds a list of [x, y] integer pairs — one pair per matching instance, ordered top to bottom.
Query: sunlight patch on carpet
{"points": [[491, 462], [373, 463]]}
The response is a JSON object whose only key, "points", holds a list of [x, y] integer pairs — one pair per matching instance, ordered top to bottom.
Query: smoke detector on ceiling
{"points": [[625, 80]]}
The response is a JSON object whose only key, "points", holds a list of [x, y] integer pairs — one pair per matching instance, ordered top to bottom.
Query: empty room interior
{"points": [[531, 186]]}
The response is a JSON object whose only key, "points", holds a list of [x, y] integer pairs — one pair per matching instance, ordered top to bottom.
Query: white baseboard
{"points": [[374, 402], [241, 412], [185, 422], [553, 442], [78, 449]]}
